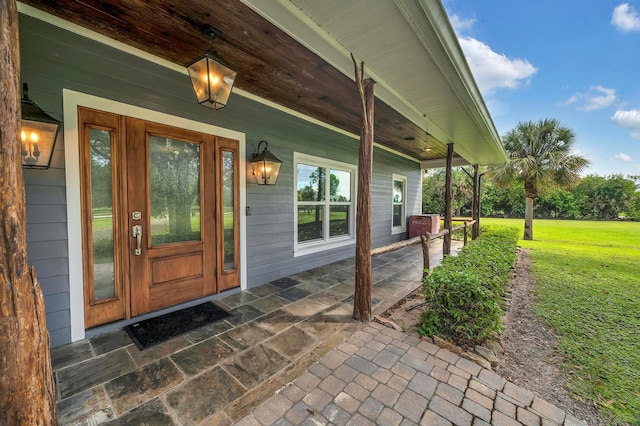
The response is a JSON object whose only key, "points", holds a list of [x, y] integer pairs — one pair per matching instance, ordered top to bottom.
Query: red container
{"points": [[421, 224]]}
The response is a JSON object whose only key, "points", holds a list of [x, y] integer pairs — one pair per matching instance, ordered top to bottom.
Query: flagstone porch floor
{"points": [[275, 333], [287, 347]]}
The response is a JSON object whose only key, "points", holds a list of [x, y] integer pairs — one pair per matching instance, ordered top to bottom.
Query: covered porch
{"points": [[113, 72], [294, 90], [219, 373]]}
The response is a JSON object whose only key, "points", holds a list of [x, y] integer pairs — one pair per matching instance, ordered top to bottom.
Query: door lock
{"points": [[136, 232]]}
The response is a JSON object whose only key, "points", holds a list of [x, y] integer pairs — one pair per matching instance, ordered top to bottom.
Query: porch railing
{"points": [[425, 240]]}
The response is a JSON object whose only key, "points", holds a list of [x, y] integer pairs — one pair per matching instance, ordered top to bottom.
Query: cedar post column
{"points": [[479, 198], [475, 202], [446, 246], [362, 296], [26, 382]]}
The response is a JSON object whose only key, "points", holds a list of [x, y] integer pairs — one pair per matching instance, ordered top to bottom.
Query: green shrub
{"points": [[463, 294]]}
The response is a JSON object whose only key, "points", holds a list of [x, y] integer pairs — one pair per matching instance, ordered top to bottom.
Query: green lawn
{"points": [[106, 222], [588, 291]]}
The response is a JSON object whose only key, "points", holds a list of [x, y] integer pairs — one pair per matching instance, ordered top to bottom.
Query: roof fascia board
{"points": [[92, 35]]}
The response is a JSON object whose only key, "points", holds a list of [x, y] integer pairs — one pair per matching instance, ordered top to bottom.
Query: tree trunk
{"points": [[182, 210], [528, 219], [446, 245], [362, 296], [26, 382]]}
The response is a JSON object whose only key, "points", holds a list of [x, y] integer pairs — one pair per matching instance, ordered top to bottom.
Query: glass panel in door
{"points": [[101, 172], [174, 183], [228, 196], [227, 228]]}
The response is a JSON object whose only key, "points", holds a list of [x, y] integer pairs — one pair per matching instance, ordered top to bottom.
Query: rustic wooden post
{"points": [[475, 203], [477, 224], [464, 241], [446, 246], [426, 256], [362, 296], [26, 382]]}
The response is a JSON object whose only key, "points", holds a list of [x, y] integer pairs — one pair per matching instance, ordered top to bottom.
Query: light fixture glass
{"points": [[212, 78], [38, 133], [265, 166]]}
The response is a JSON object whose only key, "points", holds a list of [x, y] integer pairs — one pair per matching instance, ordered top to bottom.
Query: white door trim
{"points": [[71, 101]]}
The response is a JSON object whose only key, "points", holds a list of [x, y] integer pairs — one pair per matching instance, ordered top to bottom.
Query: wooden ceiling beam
{"points": [[270, 63]]}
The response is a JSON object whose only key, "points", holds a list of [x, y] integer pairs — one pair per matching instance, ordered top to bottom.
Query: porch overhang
{"points": [[410, 49], [296, 54]]}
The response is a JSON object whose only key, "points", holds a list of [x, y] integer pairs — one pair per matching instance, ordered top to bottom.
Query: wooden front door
{"points": [[156, 216]]}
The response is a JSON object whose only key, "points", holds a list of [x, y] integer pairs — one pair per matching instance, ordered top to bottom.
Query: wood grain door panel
{"points": [[171, 267]]}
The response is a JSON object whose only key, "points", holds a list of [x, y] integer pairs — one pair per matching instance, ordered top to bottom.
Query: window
{"points": [[324, 205], [399, 215]]}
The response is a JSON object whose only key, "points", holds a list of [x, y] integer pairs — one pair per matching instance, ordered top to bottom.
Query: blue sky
{"points": [[574, 60]]}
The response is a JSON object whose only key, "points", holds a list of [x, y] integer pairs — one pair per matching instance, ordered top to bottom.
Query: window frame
{"points": [[403, 225], [327, 242]]}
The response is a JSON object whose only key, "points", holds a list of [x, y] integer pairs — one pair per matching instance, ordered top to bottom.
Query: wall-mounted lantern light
{"points": [[212, 78], [38, 133], [265, 166]]}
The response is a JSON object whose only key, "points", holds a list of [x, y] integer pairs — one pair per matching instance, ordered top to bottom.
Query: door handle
{"points": [[137, 234]]}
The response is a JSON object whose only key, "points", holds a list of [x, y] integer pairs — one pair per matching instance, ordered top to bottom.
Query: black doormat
{"points": [[159, 329]]}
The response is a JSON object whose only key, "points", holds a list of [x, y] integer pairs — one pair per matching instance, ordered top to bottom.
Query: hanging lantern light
{"points": [[212, 78], [38, 133], [265, 166]]}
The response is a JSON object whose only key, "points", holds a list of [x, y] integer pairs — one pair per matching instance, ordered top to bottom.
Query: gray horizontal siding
{"points": [[53, 59], [385, 165], [55, 177], [45, 195], [46, 213], [38, 232], [51, 267], [55, 285], [58, 302], [59, 337]]}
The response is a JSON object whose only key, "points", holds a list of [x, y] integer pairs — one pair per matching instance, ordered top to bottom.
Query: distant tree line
{"points": [[593, 198]]}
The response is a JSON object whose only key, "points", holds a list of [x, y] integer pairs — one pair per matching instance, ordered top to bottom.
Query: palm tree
{"points": [[540, 157]]}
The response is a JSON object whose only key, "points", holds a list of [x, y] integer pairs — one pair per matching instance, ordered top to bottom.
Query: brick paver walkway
{"points": [[380, 376]]}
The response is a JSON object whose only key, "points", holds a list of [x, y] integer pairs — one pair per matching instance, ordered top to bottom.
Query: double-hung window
{"points": [[325, 204], [399, 215]]}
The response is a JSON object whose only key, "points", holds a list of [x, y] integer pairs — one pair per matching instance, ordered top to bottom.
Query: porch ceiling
{"points": [[295, 53]]}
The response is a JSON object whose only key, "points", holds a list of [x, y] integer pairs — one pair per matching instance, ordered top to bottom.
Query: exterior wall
{"points": [[53, 59]]}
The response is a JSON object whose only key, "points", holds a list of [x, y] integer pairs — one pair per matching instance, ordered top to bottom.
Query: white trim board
{"points": [[71, 100]]}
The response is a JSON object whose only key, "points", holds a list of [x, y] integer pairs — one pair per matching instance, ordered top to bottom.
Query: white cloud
{"points": [[626, 18], [461, 26], [490, 69], [493, 70], [597, 97], [629, 119], [623, 157]]}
